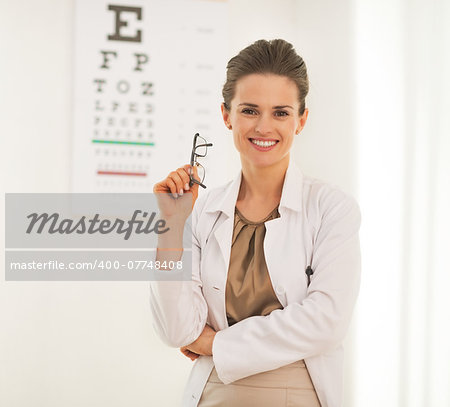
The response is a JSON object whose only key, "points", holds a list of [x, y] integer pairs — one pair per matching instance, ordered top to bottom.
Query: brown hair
{"points": [[276, 57]]}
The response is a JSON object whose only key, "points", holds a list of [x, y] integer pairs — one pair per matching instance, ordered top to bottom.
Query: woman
{"points": [[262, 332]]}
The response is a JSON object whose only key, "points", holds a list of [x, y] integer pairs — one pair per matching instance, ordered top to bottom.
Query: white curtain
{"points": [[402, 59]]}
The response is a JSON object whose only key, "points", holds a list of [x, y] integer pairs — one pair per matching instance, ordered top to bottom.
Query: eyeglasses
{"points": [[199, 149]]}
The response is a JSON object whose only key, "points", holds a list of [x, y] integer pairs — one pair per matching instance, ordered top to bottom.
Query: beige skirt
{"points": [[287, 386]]}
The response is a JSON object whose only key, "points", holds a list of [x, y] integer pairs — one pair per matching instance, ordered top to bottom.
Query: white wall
{"points": [[325, 38], [403, 60], [91, 343]]}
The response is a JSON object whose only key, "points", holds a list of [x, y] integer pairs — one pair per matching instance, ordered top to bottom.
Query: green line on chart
{"points": [[135, 143]]}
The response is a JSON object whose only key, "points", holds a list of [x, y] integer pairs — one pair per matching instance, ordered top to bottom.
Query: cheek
{"points": [[292, 125], [241, 129], [290, 129], [289, 136], [237, 141]]}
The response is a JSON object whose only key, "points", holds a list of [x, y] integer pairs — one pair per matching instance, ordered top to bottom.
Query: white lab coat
{"points": [[318, 225]]}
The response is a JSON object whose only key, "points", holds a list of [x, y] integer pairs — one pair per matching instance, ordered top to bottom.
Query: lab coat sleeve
{"points": [[178, 308], [313, 326]]}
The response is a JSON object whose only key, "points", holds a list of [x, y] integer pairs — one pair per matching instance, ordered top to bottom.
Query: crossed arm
{"points": [[300, 330], [202, 345]]}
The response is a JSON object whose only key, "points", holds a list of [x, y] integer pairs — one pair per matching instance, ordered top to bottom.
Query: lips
{"points": [[263, 144]]}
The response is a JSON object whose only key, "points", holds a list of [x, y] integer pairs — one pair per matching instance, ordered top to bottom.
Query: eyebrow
{"points": [[275, 107]]}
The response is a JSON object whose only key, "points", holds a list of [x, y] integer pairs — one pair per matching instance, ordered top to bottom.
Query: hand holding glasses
{"points": [[199, 149], [180, 181], [175, 206]]}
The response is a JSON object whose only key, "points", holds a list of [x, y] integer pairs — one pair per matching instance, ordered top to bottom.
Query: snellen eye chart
{"points": [[148, 75]]}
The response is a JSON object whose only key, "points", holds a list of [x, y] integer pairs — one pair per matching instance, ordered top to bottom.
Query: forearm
{"points": [[170, 243], [178, 307], [179, 313], [315, 326], [258, 344]]}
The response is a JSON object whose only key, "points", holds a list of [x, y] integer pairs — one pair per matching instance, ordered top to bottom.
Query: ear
{"points": [[225, 115], [302, 121]]}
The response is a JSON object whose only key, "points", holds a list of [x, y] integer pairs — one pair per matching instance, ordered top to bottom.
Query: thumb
{"points": [[194, 188]]}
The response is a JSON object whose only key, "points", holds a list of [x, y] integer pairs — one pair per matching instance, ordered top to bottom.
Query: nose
{"points": [[264, 125]]}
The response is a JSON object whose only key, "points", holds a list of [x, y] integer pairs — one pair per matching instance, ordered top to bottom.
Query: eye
{"points": [[248, 111], [281, 113]]}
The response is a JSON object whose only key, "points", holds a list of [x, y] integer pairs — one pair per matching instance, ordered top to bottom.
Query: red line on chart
{"points": [[131, 174]]}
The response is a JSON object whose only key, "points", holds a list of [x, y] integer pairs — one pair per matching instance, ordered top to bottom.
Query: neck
{"points": [[263, 183]]}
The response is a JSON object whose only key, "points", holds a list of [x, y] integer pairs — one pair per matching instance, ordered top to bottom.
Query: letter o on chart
{"points": [[123, 86]]}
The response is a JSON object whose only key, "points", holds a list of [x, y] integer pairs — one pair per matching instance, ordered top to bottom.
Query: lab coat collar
{"points": [[290, 195]]}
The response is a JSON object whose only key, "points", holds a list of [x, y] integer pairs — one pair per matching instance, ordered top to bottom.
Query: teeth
{"points": [[263, 143]]}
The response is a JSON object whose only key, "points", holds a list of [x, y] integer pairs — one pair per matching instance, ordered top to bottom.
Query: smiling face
{"points": [[264, 117]]}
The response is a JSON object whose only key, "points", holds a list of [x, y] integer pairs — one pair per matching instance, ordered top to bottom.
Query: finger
{"points": [[188, 168], [194, 171], [183, 174], [175, 177], [165, 186], [172, 186], [161, 187], [194, 187], [189, 354], [193, 355]]}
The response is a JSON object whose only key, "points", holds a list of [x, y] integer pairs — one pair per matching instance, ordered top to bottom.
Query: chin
{"points": [[262, 163]]}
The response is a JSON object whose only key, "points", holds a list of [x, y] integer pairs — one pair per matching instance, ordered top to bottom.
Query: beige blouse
{"points": [[249, 289], [249, 292]]}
